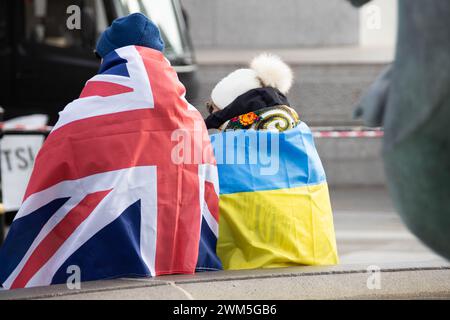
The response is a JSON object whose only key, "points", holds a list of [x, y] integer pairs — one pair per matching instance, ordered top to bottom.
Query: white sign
{"points": [[17, 159]]}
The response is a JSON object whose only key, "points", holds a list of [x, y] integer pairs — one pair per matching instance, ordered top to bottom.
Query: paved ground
{"points": [[369, 233]]}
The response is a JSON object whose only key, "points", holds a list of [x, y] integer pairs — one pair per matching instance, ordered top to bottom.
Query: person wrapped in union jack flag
{"points": [[126, 183]]}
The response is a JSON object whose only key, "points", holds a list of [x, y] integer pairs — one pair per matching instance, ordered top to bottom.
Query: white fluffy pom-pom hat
{"points": [[266, 70]]}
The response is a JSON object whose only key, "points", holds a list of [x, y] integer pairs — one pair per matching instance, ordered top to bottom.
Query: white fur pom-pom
{"points": [[273, 72]]}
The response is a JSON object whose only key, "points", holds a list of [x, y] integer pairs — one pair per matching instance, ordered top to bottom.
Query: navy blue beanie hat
{"points": [[135, 29]]}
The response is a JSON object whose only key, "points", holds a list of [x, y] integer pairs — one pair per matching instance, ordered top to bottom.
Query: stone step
{"points": [[328, 82], [352, 161], [413, 280]]}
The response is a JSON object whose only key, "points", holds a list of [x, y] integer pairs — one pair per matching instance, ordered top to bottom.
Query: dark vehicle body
{"points": [[45, 59]]}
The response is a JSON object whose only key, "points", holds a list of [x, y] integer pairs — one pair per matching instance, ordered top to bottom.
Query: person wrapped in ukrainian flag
{"points": [[274, 203]]}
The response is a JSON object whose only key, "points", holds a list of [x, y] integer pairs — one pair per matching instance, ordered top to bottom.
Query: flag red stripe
{"points": [[103, 89], [112, 142], [105, 143], [68, 154], [212, 200], [178, 222], [178, 230], [53, 241]]}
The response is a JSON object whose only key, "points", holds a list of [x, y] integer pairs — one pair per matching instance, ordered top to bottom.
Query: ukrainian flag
{"points": [[274, 203]]}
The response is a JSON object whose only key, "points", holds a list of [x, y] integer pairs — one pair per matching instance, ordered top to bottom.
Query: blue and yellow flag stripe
{"points": [[250, 160], [273, 218]]}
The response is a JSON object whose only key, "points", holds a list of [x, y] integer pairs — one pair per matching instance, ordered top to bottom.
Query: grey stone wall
{"points": [[255, 24], [323, 95], [350, 162]]}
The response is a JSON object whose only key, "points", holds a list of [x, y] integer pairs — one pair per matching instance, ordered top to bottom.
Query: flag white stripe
{"points": [[140, 98], [208, 172], [128, 187], [66, 189], [131, 189], [76, 190], [149, 219], [211, 221], [48, 227]]}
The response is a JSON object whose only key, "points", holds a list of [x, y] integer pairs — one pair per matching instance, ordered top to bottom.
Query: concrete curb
{"points": [[345, 55], [399, 281]]}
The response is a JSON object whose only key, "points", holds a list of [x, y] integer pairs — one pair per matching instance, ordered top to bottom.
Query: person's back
{"points": [[107, 193], [274, 204]]}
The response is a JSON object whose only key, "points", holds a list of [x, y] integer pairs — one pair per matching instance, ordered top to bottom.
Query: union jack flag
{"points": [[106, 194]]}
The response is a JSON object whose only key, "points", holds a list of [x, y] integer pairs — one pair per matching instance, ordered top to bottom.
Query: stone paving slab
{"points": [[342, 55]]}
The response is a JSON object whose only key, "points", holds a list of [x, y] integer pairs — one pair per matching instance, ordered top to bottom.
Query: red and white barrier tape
{"points": [[23, 128], [318, 132], [354, 133]]}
